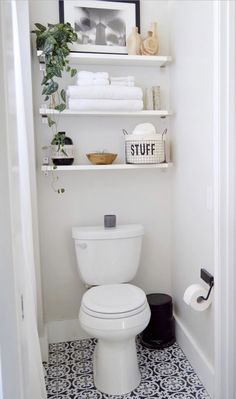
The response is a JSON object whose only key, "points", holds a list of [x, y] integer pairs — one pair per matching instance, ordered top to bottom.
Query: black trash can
{"points": [[160, 332]]}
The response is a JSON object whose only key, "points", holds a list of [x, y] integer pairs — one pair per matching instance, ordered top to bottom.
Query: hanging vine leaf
{"points": [[73, 72], [51, 88], [63, 95], [60, 107], [51, 122]]}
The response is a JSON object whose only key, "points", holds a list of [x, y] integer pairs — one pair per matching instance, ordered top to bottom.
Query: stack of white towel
{"points": [[87, 78], [122, 81], [94, 93]]}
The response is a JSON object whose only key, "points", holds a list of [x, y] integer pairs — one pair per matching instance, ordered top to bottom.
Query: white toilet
{"points": [[113, 312]]}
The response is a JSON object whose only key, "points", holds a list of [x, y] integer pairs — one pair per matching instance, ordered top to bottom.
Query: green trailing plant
{"points": [[54, 40], [55, 178]]}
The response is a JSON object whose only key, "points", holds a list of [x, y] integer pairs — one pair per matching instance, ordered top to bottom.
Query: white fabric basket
{"points": [[143, 148]]}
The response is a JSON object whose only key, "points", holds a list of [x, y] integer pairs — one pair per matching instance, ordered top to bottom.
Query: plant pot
{"points": [[63, 154]]}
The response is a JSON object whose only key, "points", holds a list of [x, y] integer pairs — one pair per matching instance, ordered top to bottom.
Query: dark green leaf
{"points": [[40, 27], [49, 44], [57, 72], [73, 72], [45, 79], [52, 88], [44, 90], [63, 95], [46, 98], [60, 107], [50, 122], [62, 190]]}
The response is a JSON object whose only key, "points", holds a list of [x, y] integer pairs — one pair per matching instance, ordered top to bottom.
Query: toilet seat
{"points": [[114, 301]]}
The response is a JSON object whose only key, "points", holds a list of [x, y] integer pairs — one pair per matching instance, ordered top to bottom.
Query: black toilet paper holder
{"points": [[209, 279]]}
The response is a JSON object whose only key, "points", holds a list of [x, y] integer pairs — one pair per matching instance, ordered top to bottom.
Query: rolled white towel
{"points": [[85, 75], [92, 75], [101, 75], [122, 78], [92, 82], [123, 83], [106, 92], [105, 105]]}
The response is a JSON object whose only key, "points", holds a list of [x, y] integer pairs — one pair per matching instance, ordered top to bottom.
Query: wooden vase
{"points": [[134, 42], [150, 45]]}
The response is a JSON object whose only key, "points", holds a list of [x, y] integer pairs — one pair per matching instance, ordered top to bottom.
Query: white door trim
{"points": [[224, 151]]}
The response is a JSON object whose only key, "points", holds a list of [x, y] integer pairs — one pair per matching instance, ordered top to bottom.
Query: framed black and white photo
{"points": [[102, 26]]}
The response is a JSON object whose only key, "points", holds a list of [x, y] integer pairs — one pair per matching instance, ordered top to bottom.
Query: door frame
{"points": [[224, 196]]}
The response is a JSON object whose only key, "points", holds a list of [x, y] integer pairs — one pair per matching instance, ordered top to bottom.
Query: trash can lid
{"points": [[159, 301]]}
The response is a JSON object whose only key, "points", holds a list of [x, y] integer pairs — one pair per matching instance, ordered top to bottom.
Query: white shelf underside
{"points": [[115, 59], [67, 112], [68, 168]]}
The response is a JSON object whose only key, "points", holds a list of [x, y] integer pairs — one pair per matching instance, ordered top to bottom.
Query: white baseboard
{"points": [[65, 330], [196, 357]]}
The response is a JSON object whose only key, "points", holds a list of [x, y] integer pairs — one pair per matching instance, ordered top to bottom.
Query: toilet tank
{"points": [[108, 255]]}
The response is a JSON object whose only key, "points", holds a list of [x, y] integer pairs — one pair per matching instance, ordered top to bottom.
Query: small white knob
{"points": [[83, 245]]}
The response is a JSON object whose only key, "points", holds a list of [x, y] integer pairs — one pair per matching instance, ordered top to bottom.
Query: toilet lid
{"points": [[114, 299]]}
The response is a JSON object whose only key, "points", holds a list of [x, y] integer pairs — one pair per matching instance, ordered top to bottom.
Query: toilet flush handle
{"points": [[82, 245]]}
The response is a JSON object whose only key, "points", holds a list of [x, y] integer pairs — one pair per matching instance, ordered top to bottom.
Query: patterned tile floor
{"points": [[166, 374]]}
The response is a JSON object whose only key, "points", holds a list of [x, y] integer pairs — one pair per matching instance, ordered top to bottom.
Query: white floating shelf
{"points": [[116, 59], [68, 112], [51, 168]]}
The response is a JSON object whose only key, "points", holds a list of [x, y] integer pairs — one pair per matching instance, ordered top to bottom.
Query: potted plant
{"points": [[54, 40], [62, 149]]}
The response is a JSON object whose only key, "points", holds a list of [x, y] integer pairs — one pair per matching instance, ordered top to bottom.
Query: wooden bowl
{"points": [[101, 158]]}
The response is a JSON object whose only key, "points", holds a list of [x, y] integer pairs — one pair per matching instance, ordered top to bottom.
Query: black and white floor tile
{"points": [[166, 374]]}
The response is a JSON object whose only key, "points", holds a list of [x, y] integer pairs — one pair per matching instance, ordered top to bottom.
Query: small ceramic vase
{"points": [[134, 42], [150, 45]]}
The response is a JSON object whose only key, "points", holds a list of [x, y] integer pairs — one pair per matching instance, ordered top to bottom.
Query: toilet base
{"points": [[115, 366]]}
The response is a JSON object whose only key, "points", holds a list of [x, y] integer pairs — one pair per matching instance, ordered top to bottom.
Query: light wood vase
{"points": [[134, 42], [150, 45]]}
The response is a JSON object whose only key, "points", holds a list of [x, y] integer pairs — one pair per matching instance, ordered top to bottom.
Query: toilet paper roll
{"points": [[191, 297]]}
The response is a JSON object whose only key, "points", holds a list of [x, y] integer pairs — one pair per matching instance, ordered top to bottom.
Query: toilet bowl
{"points": [[112, 310], [115, 314]]}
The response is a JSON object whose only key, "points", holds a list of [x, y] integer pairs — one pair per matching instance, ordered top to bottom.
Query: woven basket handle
{"points": [[163, 133]]}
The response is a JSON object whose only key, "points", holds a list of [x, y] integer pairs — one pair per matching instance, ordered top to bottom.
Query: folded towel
{"points": [[92, 75], [122, 78], [92, 82], [122, 83], [106, 92], [105, 105]]}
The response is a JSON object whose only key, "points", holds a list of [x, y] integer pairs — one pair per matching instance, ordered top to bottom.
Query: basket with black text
{"points": [[145, 148]]}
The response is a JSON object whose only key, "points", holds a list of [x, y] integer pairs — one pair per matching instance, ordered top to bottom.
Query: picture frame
{"points": [[102, 26]]}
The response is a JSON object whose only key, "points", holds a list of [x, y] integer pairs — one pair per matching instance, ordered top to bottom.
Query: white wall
{"points": [[192, 128], [135, 196]]}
